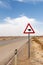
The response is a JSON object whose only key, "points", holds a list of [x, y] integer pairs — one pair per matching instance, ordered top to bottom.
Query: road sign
{"points": [[29, 29]]}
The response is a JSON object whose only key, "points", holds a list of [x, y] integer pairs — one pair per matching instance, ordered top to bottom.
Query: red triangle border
{"points": [[26, 29]]}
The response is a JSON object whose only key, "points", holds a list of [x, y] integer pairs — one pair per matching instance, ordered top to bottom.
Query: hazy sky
{"points": [[16, 14]]}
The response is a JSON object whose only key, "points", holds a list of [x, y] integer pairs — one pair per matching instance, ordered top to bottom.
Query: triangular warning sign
{"points": [[29, 29]]}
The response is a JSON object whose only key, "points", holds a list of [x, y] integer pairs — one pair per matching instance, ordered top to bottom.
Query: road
{"points": [[5, 42], [7, 48]]}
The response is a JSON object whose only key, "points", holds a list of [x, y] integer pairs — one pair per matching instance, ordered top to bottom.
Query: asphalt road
{"points": [[5, 42], [7, 48]]}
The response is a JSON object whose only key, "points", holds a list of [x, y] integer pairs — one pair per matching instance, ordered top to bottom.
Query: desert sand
{"points": [[36, 52]]}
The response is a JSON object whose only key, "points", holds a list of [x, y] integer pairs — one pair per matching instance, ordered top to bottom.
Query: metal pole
{"points": [[28, 45], [15, 56]]}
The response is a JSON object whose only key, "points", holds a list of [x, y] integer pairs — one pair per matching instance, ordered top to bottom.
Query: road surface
{"points": [[5, 42], [8, 47]]}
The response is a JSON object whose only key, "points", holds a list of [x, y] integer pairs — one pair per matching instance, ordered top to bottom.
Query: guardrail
{"points": [[19, 55], [13, 60]]}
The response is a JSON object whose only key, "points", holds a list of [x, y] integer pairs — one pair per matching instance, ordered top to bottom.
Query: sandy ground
{"points": [[36, 52], [23, 58]]}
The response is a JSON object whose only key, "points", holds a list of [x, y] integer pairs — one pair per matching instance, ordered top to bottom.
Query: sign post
{"points": [[29, 30], [28, 45]]}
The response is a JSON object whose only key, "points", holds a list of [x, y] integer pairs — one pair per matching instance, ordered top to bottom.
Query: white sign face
{"points": [[29, 29]]}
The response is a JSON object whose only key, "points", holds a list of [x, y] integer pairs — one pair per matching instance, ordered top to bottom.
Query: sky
{"points": [[16, 14]]}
